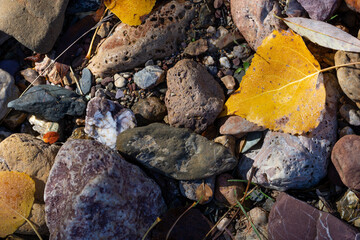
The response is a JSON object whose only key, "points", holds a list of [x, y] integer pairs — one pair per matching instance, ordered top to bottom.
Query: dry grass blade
{"points": [[157, 220]]}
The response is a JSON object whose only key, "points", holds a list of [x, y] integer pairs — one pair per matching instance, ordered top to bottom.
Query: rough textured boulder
{"points": [[36, 24], [130, 46], [8, 91], [193, 99], [176, 152], [24, 153], [93, 193], [293, 219]]}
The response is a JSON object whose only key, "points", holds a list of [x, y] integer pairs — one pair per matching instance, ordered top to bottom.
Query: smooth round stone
{"points": [[119, 81]]}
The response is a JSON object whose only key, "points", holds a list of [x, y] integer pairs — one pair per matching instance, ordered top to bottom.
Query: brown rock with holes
{"points": [[320, 9], [255, 19], [130, 46], [196, 48], [348, 77], [194, 99], [238, 126], [24, 153], [345, 157], [228, 192], [293, 219]]}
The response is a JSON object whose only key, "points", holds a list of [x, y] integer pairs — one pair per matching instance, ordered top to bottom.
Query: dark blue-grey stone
{"points": [[77, 6], [85, 81], [50, 102]]}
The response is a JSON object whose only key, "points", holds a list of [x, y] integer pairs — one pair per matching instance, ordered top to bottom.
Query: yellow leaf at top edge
{"points": [[130, 11], [282, 89], [16, 197]]}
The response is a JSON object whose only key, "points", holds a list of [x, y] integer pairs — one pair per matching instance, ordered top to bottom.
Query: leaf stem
{"points": [[338, 66]]}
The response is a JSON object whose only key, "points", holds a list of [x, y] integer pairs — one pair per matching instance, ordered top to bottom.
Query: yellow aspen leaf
{"points": [[130, 11], [282, 89], [16, 199]]}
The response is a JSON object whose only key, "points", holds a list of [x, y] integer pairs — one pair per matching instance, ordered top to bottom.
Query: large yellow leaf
{"points": [[130, 11], [283, 88], [16, 198]]}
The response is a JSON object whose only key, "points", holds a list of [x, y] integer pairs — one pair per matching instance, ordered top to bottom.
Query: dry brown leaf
{"points": [[203, 193]]}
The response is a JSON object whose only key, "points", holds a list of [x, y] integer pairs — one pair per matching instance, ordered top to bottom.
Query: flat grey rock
{"points": [[8, 91]]}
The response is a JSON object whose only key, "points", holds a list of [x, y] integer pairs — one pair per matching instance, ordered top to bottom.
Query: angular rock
{"points": [[320, 9], [255, 19], [35, 24], [130, 46], [196, 48], [242, 51], [30, 75], [149, 77], [348, 77], [85, 82], [8, 91], [194, 99], [50, 102], [149, 110], [351, 114], [105, 119], [41, 126], [238, 126], [227, 141], [175, 152], [24, 153], [345, 157], [295, 162], [226, 192], [112, 198], [349, 207], [37, 217], [293, 219]]}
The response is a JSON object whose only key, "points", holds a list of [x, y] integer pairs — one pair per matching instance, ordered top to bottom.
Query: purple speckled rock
{"points": [[320, 9], [105, 119], [93, 193], [293, 219]]}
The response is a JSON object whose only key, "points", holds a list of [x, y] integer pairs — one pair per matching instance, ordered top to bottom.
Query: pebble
{"points": [[294, 9], [320, 9], [35, 24], [131, 46], [196, 48], [242, 51], [208, 60], [224, 62], [30, 75], [149, 77], [119, 81], [85, 82], [229, 82], [8, 92], [194, 99], [50, 102], [149, 110], [351, 114], [14, 119], [105, 119], [42, 126], [238, 126], [346, 131], [227, 141], [175, 152], [345, 157], [36, 161], [189, 189], [228, 193], [106, 198], [349, 208], [306, 221]]}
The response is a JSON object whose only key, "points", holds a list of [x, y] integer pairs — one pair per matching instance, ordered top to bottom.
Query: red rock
{"points": [[320, 9], [255, 19], [235, 125], [345, 157], [228, 192], [293, 219]]}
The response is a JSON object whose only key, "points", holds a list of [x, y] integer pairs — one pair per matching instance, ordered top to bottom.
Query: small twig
{"points": [[77, 82]]}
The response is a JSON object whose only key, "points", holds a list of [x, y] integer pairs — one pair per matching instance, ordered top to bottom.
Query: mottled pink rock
{"points": [[320, 9], [255, 19], [130, 46], [194, 99], [238, 126], [346, 159], [228, 192], [93, 193], [293, 219]]}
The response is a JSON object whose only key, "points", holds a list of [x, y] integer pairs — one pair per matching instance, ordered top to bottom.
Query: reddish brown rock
{"points": [[353, 5], [320, 9], [255, 19], [130, 46], [196, 48], [194, 99], [238, 126], [345, 157], [228, 192], [93, 193], [293, 219]]}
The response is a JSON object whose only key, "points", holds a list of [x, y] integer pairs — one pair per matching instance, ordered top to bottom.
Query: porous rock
{"points": [[320, 9], [255, 19], [36, 24], [157, 37], [8, 91], [194, 99], [50, 102], [149, 110], [105, 119], [175, 152], [24, 153], [345, 157], [287, 161], [92, 192], [293, 219]]}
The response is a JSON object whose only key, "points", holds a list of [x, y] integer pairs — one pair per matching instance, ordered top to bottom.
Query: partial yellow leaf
{"points": [[130, 11], [283, 88], [16, 198]]}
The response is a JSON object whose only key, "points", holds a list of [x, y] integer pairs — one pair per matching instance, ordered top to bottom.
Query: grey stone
{"points": [[320, 9], [36, 24], [131, 46], [149, 77], [85, 81], [119, 81], [8, 92], [194, 99], [50, 102], [351, 114], [105, 119], [175, 152], [93, 193]]}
